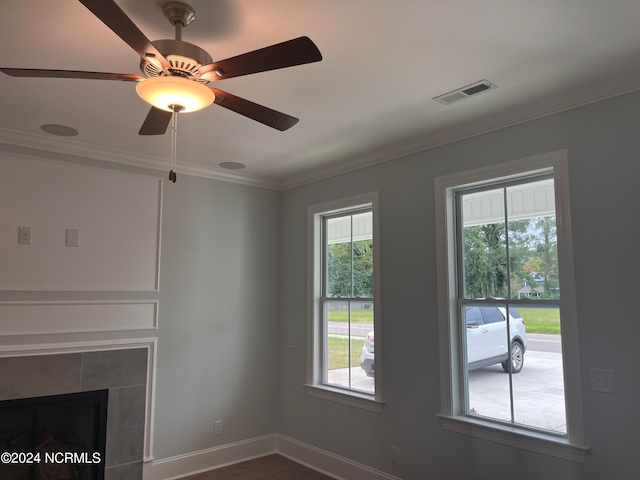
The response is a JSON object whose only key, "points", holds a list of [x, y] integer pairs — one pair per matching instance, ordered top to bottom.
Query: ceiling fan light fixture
{"points": [[164, 92]]}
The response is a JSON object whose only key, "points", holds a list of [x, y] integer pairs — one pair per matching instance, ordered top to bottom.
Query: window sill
{"points": [[346, 397], [539, 442]]}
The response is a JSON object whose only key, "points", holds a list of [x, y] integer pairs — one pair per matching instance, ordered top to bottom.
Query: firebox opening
{"points": [[56, 437]]}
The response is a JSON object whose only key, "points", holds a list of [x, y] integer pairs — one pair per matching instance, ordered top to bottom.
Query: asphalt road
{"points": [[540, 342]]}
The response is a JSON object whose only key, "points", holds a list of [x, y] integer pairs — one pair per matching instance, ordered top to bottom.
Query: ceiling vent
{"points": [[465, 92]]}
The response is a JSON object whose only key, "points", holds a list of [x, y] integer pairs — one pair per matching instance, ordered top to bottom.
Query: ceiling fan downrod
{"points": [[180, 15]]}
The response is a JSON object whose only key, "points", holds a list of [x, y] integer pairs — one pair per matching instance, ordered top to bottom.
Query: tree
{"points": [[547, 254], [532, 255], [485, 261], [350, 269]]}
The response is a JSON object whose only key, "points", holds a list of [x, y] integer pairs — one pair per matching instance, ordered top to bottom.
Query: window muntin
{"points": [[507, 250], [347, 298]]}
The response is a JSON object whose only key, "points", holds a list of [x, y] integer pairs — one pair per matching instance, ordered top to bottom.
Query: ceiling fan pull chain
{"points": [[174, 141]]}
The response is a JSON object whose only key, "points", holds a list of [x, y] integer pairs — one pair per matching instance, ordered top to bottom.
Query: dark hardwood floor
{"points": [[271, 467]]}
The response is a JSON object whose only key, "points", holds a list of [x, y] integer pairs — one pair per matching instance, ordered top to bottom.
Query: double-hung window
{"points": [[508, 326], [344, 361]]}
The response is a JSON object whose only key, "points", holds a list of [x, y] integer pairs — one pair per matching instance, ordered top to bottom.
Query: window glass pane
{"points": [[528, 241], [484, 245], [349, 247], [533, 250], [362, 255], [338, 257], [534, 259], [338, 327], [487, 354], [350, 363], [530, 389], [538, 390]]}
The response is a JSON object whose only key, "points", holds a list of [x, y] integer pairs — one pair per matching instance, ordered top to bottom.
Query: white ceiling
{"points": [[368, 100]]}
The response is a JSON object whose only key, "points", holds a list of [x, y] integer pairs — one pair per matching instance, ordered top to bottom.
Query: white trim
{"points": [[446, 136], [46, 147], [100, 169], [47, 317], [314, 318], [450, 334], [101, 345], [346, 397], [534, 441], [317, 459], [326, 462], [193, 463]]}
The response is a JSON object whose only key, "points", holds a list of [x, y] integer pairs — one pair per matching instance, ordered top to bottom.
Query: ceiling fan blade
{"points": [[113, 17], [298, 51], [36, 72], [271, 118], [156, 122]]}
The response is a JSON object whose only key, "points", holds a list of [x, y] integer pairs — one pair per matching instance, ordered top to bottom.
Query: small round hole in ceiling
{"points": [[59, 130], [232, 165]]}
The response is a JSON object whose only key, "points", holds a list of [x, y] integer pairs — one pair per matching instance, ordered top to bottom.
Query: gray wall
{"points": [[603, 142], [233, 286], [217, 338], [217, 341]]}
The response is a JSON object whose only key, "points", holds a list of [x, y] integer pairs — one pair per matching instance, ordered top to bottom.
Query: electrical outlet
{"points": [[24, 235], [292, 343], [217, 427], [395, 455]]}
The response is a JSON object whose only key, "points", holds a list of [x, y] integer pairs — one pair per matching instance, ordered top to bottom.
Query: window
{"points": [[508, 327], [344, 354]]}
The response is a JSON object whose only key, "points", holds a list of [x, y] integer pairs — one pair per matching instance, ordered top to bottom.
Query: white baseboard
{"points": [[315, 458], [196, 462], [326, 462]]}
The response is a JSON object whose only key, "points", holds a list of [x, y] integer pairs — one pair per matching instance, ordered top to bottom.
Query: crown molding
{"points": [[526, 113], [47, 147]]}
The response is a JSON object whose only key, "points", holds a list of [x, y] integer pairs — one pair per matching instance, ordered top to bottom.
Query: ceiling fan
{"points": [[176, 72]]}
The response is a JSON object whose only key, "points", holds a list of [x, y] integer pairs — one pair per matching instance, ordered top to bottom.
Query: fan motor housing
{"points": [[185, 59]]}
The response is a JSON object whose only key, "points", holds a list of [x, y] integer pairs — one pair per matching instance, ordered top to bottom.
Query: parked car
{"points": [[486, 340], [367, 361]]}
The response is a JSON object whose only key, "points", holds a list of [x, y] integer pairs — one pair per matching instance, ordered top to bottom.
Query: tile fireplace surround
{"points": [[124, 371]]}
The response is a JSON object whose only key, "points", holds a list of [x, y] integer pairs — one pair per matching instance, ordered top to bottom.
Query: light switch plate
{"points": [[73, 237], [602, 380]]}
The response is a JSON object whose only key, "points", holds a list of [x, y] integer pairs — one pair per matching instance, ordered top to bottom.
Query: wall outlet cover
{"points": [[24, 235]]}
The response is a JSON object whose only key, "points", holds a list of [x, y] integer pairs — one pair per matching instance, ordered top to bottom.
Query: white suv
{"points": [[486, 340]]}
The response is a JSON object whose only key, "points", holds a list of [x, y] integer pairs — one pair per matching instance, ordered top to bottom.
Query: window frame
{"points": [[315, 385], [453, 416]]}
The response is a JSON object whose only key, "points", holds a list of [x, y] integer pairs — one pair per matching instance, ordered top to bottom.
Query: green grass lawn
{"points": [[357, 316], [537, 320], [541, 320], [339, 352]]}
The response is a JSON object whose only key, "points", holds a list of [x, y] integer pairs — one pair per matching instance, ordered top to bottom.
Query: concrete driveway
{"points": [[538, 390]]}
